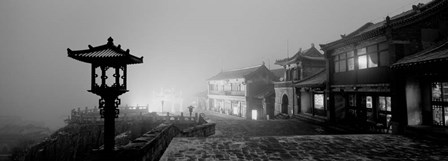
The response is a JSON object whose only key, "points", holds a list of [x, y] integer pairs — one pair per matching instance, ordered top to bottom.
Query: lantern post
{"points": [[108, 80]]}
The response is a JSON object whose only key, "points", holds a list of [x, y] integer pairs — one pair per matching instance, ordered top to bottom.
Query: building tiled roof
{"points": [[369, 30], [105, 53], [437, 53], [308, 54], [278, 72], [238, 73], [317, 80], [267, 91]]}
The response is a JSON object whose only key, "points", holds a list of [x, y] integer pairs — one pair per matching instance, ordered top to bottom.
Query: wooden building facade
{"points": [[361, 84], [235, 92]]}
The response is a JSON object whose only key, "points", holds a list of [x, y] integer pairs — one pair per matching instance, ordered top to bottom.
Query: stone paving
{"points": [[232, 126], [239, 139], [310, 147]]}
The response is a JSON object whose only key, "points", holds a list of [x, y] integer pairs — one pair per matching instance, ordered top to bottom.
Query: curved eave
{"points": [[345, 41], [312, 58], [110, 60], [414, 64]]}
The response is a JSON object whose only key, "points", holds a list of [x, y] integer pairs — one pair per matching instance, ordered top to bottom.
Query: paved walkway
{"points": [[232, 126], [239, 139], [316, 147]]}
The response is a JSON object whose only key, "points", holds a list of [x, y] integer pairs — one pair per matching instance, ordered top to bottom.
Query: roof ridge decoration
{"points": [[417, 13], [114, 54], [302, 54]]}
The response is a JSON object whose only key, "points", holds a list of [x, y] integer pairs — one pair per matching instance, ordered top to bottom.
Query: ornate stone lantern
{"points": [[108, 80]]}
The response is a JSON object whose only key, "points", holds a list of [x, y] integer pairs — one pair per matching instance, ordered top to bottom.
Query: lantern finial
{"points": [[110, 40]]}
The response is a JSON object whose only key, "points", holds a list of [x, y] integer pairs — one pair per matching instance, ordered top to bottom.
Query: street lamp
{"points": [[106, 58], [162, 105]]}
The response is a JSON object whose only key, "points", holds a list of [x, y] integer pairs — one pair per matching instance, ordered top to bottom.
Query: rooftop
{"points": [[368, 30], [437, 53], [105, 54], [309, 54], [236, 73]]}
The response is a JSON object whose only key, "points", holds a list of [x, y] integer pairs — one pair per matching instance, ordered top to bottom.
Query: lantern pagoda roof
{"points": [[107, 54]]}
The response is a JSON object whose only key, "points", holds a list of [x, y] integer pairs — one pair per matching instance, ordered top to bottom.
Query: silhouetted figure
{"points": [[190, 109]]}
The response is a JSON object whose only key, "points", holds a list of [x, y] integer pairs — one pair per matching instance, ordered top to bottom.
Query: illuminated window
{"points": [[362, 58], [362, 62], [319, 101], [369, 102], [384, 103], [439, 103], [384, 113], [254, 115]]}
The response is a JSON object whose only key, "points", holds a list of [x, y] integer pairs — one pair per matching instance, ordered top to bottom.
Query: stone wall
{"points": [[203, 130], [75, 141], [151, 145]]}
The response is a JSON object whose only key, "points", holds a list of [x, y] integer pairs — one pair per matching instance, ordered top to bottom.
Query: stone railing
{"points": [[204, 130], [151, 145]]}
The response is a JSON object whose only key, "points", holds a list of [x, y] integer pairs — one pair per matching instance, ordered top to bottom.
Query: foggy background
{"points": [[183, 42]]}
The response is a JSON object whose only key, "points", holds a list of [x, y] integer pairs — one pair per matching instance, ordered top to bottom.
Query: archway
{"points": [[285, 104]]}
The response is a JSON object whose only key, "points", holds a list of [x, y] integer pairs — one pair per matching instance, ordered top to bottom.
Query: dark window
{"points": [[383, 46], [372, 48], [384, 58], [351, 60], [336, 63], [342, 65]]}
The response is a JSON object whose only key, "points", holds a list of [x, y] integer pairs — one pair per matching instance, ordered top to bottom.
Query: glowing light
{"points": [[362, 62], [254, 114]]}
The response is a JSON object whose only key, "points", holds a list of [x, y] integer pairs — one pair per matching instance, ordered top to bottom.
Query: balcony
{"points": [[228, 93]]}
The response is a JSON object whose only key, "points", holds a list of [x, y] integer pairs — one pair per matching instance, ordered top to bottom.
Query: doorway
{"points": [[285, 104]]}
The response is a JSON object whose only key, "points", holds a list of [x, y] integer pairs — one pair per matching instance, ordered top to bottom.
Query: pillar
{"points": [[109, 124]]}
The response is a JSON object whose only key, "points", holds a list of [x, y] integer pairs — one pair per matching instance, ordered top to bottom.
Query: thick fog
{"points": [[183, 44]]}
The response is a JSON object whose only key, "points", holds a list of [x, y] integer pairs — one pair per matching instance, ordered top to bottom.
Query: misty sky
{"points": [[183, 42]]}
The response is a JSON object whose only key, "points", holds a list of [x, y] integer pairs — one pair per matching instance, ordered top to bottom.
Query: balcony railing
{"points": [[228, 93]]}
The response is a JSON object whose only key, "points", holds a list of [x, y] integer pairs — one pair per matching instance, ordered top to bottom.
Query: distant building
{"points": [[302, 65], [392, 72], [234, 92], [267, 95], [201, 100]]}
